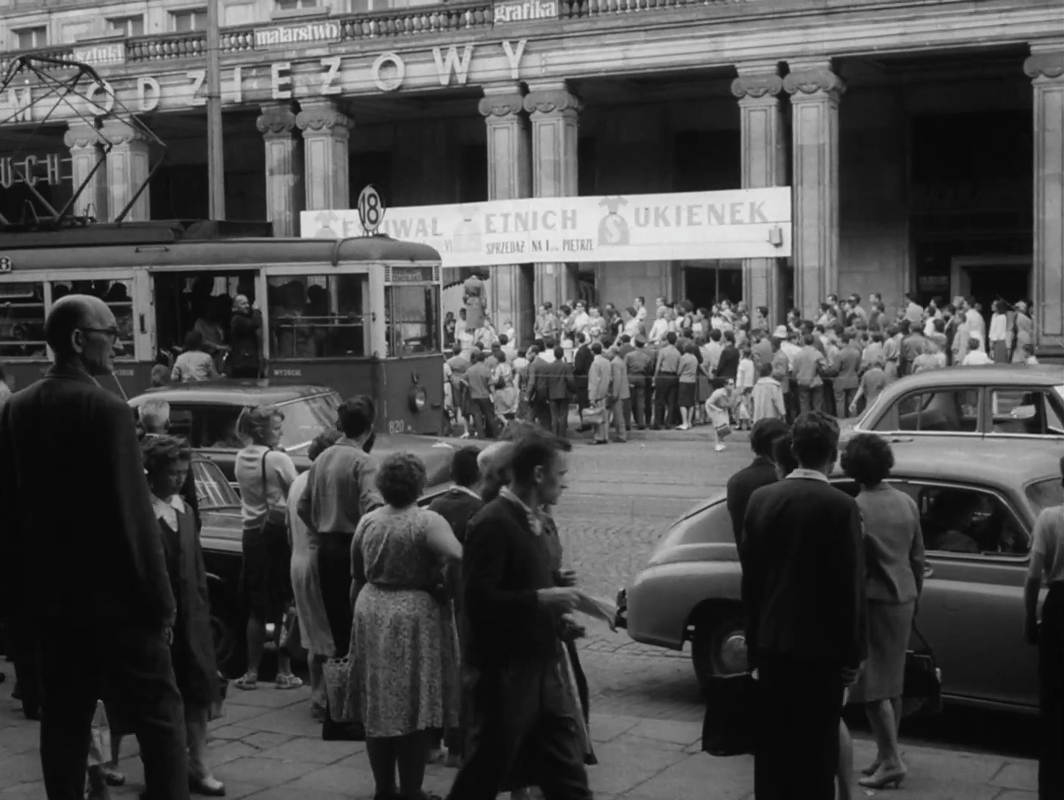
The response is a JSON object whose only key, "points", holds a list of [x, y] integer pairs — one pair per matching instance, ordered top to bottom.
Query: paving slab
{"points": [[266, 696], [606, 727], [668, 731], [20, 739], [266, 740], [314, 751], [627, 763], [21, 768], [263, 771], [1022, 776], [730, 778], [345, 780]]}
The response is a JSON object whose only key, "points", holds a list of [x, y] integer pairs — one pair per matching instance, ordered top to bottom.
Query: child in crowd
{"points": [[873, 381], [718, 407]]}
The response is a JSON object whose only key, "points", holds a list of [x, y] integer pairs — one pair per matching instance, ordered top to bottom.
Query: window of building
{"points": [[295, 5], [190, 19], [127, 26], [30, 38], [119, 298], [318, 316], [22, 321], [940, 411], [1036, 412], [955, 519]]}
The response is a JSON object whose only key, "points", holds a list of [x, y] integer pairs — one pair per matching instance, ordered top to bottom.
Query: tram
{"points": [[359, 315]]}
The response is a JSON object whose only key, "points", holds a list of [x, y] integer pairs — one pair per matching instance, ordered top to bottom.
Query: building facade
{"points": [[923, 139]]}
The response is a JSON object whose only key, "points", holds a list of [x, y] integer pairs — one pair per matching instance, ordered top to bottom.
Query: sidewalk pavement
{"points": [[267, 747]]}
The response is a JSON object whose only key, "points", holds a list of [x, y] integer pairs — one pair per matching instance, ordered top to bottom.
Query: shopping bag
{"points": [[594, 416], [724, 431], [922, 690], [341, 691], [729, 723], [100, 741]]}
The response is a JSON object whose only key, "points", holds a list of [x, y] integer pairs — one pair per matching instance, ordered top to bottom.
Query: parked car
{"points": [[1011, 401], [208, 413], [978, 504], [220, 538]]}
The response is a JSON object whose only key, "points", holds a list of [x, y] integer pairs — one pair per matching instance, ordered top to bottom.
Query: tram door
{"points": [[201, 301]]}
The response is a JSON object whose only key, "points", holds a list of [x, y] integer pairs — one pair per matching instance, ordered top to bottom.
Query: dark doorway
{"points": [[988, 283], [704, 286]]}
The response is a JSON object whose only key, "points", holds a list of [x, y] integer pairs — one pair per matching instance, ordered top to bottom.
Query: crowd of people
{"points": [[679, 366]]}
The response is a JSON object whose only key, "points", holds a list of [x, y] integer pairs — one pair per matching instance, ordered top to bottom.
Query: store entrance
{"points": [[986, 279], [711, 282]]}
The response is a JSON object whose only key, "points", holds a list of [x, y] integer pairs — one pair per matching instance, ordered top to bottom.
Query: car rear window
{"points": [[306, 419], [1046, 494]]}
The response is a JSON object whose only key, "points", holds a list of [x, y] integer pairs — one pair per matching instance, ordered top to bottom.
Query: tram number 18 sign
{"points": [[370, 210]]}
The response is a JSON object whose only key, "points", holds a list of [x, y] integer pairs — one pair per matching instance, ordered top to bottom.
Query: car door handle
{"points": [[928, 572]]}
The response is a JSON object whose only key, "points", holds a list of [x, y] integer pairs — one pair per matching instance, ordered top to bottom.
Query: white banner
{"points": [[746, 223]]}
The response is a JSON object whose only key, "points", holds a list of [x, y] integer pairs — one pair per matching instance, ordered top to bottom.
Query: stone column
{"points": [[1046, 69], [815, 91], [554, 111], [326, 130], [86, 152], [764, 164], [284, 168], [127, 170], [508, 178]]}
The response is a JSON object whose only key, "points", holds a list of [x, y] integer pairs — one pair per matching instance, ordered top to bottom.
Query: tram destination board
{"points": [[411, 275]]}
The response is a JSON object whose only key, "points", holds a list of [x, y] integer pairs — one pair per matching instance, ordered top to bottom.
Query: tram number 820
{"points": [[396, 426]]}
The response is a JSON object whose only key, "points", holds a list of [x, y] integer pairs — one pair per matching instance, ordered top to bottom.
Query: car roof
{"points": [[984, 375], [231, 393], [1001, 463]]}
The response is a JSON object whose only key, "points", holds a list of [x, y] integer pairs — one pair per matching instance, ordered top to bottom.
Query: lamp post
{"points": [[215, 147]]}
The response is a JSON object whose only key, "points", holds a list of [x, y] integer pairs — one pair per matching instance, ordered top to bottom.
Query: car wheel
{"points": [[227, 632], [718, 646]]}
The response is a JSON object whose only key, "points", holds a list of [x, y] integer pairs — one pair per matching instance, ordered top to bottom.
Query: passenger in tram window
{"points": [[245, 339]]}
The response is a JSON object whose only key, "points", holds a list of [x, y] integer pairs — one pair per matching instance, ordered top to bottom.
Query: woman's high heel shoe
{"points": [[871, 768], [884, 778]]}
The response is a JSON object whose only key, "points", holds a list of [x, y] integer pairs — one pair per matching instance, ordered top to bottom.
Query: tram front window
{"points": [[119, 298], [318, 316], [413, 319], [22, 321]]}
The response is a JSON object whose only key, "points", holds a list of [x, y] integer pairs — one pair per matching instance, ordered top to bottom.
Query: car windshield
{"points": [[306, 419], [213, 491], [1046, 493]]}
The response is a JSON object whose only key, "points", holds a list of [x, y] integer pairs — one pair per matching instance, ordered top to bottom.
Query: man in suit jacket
{"points": [[582, 361], [599, 379], [558, 385], [620, 395], [760, 472], [83, 560], [803, 592], [519, 702]]}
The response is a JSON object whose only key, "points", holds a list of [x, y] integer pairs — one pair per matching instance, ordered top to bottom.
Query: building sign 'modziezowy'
{"points": [[525, 10], [315, 32], [746, 223]]}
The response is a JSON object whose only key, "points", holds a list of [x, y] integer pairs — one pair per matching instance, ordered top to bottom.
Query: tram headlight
{"points": [[418, 397]]}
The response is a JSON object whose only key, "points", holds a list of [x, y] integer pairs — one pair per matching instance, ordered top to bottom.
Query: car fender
{"points": [[662, 599]]}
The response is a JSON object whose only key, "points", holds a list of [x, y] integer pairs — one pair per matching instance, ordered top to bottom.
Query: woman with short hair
{"points": [[194, 363], [265, 474], [894, 550], [406, 663]]}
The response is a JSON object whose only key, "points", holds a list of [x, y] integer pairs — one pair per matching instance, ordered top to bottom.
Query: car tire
{"points": [[228, 630], [718, 646]]}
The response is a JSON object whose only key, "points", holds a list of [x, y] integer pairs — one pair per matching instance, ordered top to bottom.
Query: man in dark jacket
{"points": [[245, 332], [582, 361], [728, 365], [558, 385], [760, 472], [83, 560], [803, 591], [519, 704]]}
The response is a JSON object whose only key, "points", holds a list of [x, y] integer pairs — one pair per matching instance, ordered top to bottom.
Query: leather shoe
{"points": [[207, 787]]}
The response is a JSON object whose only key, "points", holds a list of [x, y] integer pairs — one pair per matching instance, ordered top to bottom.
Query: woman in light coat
{"points": [[598, 392]]}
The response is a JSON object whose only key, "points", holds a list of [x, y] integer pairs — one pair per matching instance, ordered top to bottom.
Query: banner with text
{"points": [[747, 223]]}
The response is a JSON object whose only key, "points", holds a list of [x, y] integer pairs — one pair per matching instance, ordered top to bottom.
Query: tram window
{"points": [[119, 298], [204, 302], [318, 316], [413, 319], [22, 321]]}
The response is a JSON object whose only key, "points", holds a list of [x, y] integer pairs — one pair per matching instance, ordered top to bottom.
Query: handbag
{"points": [[594, 416], [724, 431], [341, 686], [922, 689], [729, 725]]}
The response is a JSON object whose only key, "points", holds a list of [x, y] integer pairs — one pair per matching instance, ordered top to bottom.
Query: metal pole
{"points": [[215, 148]]}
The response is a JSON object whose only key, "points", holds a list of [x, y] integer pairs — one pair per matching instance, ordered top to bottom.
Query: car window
{"points": [[937, 410], [1032, 412], [306, 419], [207, 425], [212, 489], [1046, 493], [957, 519]]}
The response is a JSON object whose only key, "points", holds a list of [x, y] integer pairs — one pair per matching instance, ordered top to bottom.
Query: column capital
{"points": [[1045, 64], [814, 79], [758, 85], [554, 98], [502, 101], [323, 119], [276, 121], [123, 132], [82, 136]]}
